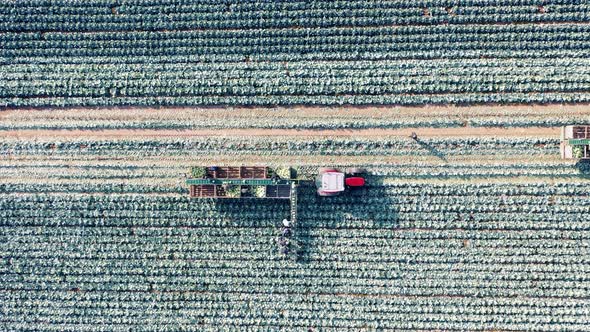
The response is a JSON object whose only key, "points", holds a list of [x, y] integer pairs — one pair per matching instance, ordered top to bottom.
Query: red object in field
{"points": [[355, 181]]}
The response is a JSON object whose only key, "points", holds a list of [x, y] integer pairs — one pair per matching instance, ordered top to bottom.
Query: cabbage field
{"points": [[179, 52], [470, 220], [480, 231]]}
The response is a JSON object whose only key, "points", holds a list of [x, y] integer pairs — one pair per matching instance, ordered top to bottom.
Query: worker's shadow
{"points": [[432, 150], [323, 222]]}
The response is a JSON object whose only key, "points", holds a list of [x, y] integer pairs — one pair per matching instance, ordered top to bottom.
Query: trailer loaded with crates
{"points": [[575, 142], [240, 182]]}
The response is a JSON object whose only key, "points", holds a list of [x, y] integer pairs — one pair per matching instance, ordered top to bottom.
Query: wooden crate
{"points": [[580, 132], [233, 172], [247, 172], [211, 173], [207, 190], [202, 191], [219, 191]]}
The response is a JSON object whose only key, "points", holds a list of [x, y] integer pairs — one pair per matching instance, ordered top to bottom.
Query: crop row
{"points": [[214, 6], [97, 16], [502, 37], [413, 57], [194, 64], [402, 71], [292, 88], [403, 99], [271, 123], [290, 123], [262, 146], [378, 174], [567, 188], [399, 191], [425, 199], [156, 237], [490, 312], [231, 318]]}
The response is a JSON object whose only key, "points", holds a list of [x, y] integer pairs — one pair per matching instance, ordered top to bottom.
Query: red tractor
{"points": [[332, 182]]}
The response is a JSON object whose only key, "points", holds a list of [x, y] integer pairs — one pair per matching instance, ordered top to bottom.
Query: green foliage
{"points": [[58, 53], [395, 146], [577, 151], [198, 172], [284, 172], [232, 191], [259, 191], [445, 246], [115, 253]]}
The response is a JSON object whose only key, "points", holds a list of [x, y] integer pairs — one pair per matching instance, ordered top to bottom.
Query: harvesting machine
{"points": [[575, 142], [264, 183]]}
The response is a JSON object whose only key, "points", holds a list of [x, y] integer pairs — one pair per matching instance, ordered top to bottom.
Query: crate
{"points": [[580, 132], [243, 172], [253, 172], [202, 191], [278, 191]]}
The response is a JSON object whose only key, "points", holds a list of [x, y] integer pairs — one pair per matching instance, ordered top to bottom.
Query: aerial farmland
{"points": [[354, 165]]}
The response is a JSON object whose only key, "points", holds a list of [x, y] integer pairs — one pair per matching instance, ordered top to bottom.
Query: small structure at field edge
{"points": [[575, 142]]}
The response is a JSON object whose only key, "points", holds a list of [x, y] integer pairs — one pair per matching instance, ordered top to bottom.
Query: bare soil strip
{"points": [[343, 112], [421, 132]]}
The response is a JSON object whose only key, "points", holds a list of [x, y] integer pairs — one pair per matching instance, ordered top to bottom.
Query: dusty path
{"points": [[373, 112], [421, 132]]}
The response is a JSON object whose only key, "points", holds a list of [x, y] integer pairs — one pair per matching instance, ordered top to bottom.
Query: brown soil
{"points": [[376, 112]]}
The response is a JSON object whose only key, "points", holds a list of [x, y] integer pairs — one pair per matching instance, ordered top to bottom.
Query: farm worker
{"points": [[414, 136], [286, 223], [286, 231], [283, 242]]}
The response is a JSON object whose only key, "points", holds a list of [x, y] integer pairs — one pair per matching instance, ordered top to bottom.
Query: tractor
{"points": [[333, 182]]}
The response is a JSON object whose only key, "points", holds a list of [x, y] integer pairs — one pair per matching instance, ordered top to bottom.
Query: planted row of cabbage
{"points": [[181, 15], [246, 42], [543, 97], [394, 146], [377, 173], [69, 258]]}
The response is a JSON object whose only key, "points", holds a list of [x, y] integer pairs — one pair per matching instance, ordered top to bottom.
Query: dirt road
{"points": [[300, 112]]}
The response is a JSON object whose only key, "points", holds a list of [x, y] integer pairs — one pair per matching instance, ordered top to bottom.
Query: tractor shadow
{"points": [[431, 150], [583, 167], [342, 218]]}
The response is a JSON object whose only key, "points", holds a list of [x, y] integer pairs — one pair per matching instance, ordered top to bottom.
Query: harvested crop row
{"points": [[322, 119]]}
